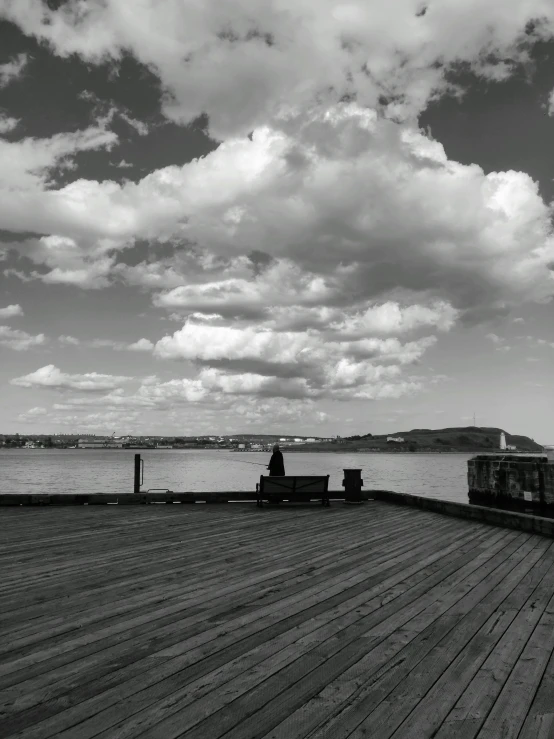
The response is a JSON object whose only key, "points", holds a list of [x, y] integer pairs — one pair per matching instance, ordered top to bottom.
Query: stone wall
{"points": [[509, 478]]}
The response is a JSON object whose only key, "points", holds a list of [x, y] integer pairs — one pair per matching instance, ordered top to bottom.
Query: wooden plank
{"points": [[282, 549], [291, 562], [137, 563], [340, 575], [164, 587], [99, 601], [311, 632], [231, 640], [486, 661], [193, 666], [264, 691], [397, 691], [275, 697], [346, 702], [510, 709], [470, 711], [539, 723]]}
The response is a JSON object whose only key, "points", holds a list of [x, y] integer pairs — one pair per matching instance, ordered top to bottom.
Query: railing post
{"points": [[352, 484], [136, 486]]}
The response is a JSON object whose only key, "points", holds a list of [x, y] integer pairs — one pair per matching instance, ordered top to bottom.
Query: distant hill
{"points": [[458, 439]]}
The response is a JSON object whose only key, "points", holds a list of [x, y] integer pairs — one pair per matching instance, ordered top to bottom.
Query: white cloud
{"points": [[290, 53], [13, 69], [551, 103], [106, 110], [7, 123], [26, 164], [404, 219], [361, 228], [10, 311], [391, 318], [518, 320], [18, 340], [69, 340], [499, 343], [142, 345], [293, 364], [52, 377], [32, 414], [99, 422]]}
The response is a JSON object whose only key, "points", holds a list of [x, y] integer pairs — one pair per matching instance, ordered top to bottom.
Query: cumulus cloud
{"points": [[292, 53], [13, 69], [550, 104], [105, 112], [7, 123], [26, 164], [405, 218], [318, 231], [10, 311], [391, 318], [18, 340], [69, 340], [499, 342], [142, 345], [293, 364], [52, 377], [32, 414], [103, 421]]}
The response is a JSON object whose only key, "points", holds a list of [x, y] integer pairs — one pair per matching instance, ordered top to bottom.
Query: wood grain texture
{"points": [[293, 623]]}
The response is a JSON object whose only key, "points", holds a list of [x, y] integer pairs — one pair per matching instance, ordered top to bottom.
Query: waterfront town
{"points": [[468, 439], [240, 443]]}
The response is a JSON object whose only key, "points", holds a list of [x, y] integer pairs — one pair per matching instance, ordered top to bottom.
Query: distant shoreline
{"points": [[285, 450]]}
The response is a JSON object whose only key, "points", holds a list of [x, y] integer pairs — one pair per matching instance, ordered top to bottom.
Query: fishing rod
{"points": [[244, 461]]}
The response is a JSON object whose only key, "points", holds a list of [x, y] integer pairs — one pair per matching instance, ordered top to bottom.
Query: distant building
{"points": [[396, 439], [503, 441], [91, 443], [99, 444]]}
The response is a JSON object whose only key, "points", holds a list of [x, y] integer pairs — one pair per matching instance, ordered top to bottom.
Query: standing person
{"points": [[276, 464]]}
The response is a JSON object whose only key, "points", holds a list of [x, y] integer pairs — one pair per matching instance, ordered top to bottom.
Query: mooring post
{"points": [[352, 484], [136, 486]]}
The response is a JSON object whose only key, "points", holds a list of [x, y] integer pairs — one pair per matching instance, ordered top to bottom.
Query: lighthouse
{"points": [[503, 440]]}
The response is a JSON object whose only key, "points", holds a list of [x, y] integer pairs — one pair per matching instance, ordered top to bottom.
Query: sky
{"points": [[303, 216]]}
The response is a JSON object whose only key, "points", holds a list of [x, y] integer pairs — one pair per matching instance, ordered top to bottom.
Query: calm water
{"points": [[111, 471]]}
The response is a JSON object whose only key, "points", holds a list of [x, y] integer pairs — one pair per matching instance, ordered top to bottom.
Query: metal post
{"points": [[352, 484], [136, 486]]}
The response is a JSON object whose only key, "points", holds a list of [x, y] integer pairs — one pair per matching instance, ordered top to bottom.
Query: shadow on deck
{"points": [[288, 622]]}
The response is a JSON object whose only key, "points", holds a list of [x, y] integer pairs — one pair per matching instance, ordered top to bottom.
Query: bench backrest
{"points": [[294, 484]]}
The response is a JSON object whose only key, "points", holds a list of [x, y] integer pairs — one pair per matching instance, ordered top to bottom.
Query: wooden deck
{"points": [[284, 622]]}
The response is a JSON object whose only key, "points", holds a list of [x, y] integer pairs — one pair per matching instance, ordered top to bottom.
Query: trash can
{"points": [[352, 485]]}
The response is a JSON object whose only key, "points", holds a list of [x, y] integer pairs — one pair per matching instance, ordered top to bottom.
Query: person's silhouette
{"points": [[276, 464]]}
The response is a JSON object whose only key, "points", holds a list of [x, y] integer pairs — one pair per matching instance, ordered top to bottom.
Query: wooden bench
{"points": [[294, 488]]}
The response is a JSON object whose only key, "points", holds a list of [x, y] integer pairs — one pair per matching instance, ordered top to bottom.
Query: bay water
{"points": [[442, 476]]}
